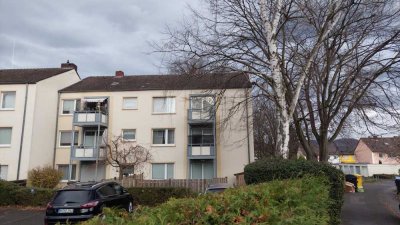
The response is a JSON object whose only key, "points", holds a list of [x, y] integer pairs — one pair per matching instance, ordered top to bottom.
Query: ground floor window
{"points": [[65, 169], [202, 169], [162, 171], [3, 172]]}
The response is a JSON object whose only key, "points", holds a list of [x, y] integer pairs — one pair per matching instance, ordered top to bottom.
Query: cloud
{"points": [[99, 36]]}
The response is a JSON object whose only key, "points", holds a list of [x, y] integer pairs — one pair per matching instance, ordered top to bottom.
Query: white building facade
{"points": [[28, 106], [194, 127]]}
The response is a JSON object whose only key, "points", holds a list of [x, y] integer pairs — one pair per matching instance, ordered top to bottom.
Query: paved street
{"points": [[377, 205], [9, 216]]}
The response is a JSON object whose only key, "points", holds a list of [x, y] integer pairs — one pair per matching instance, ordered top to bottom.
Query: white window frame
{"points": [[165, 97], [2, 100], [123, 103], [62, 106], [67, 131], [166, 136], [127, 140], [7, 145], [67, 165], [165, 170]]}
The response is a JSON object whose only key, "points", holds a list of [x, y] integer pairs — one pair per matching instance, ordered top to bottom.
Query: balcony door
{"points": [[90, 138], [202, 169]]}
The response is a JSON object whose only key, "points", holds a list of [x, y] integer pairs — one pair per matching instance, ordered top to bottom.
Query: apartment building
{"points": [[28, 109], [189, 124]]}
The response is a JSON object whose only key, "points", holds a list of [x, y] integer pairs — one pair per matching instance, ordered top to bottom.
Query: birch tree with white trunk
{"points": [[259, 37]]}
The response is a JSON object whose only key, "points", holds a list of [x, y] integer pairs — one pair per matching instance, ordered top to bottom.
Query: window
{"points": [[8, 100], [201, 102], [129, 103], [71, 105], [164, 105], [129, 135], [5, 136], [163, 136], [201, 136], [65, 138], [90, 138], [380, 155], [64, 169], [202, 170], [162, 171], [3, 172], [107, 190]]}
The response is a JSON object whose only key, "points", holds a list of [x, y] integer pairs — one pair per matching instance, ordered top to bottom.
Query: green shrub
{"points": [[277, 169], [45, 177], [12, 194], [157, 195], [279, 202]]}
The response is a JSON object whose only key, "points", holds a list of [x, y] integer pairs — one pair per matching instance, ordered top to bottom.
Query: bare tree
{"points": [[261, 38], [354, 75], [265, 127], [126, 155]]}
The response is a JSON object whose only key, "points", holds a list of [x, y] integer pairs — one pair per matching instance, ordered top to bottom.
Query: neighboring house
{"points": [[28, 106], [180, 118], [346, 147], [378, 150], [340, 151]]}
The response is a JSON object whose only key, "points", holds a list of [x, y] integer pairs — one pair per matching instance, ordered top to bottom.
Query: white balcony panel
{"points": [[81, 117], [91, 117], [103, 119], [196, 150], [205, 150], [79, 152]]}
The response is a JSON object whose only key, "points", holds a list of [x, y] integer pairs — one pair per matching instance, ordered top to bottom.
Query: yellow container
{"points": [[359, 183]]}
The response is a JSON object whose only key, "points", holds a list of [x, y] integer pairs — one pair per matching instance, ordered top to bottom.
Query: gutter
{"points": [[23, 130], [56, 131]]}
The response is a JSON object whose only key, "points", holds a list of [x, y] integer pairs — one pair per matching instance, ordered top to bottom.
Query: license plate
{"points": [[65, 210]]}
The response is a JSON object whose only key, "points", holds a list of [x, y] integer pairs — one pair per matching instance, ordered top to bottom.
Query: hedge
{"points": [[277, 169], [12, 194], [156, 195], [277, 202]]}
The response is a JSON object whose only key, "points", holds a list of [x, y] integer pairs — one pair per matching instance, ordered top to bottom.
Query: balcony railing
{"points": [[201, 115], [90, 118], [201, 151], [87, 153]]}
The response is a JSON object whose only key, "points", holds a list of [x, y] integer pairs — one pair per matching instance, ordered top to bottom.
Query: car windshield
{"points": [[215, 190], [71, 197]]}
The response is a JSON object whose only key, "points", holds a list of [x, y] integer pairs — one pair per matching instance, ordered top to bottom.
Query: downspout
{"points": [[247, 125], [23, 130], [56, 131]]}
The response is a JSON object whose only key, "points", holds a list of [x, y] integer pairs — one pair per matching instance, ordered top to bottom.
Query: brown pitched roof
{"points": [[30, 76], [160, 82], [382, 144]]}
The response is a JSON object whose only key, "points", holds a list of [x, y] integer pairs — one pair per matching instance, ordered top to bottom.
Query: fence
{"points": [[368, 170], [196, 185]]}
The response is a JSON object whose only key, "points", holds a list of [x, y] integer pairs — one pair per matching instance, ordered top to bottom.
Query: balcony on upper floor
{"points": [[201, 116], [90, 118], [201, 152], [84, 153]]}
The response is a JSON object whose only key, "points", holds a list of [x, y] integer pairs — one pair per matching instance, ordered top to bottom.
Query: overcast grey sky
{"points": [[99, 36]]}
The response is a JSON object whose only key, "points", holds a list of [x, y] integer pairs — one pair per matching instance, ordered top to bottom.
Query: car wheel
{"points": [[130, 207]]}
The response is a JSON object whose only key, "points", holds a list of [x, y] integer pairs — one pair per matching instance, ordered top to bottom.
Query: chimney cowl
{"points": [[69, 65], [119, 73]]}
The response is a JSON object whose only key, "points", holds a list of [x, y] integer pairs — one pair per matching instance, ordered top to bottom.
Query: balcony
{"points": [[201, 115], [90, 118], [201, 152], [87, 153]]}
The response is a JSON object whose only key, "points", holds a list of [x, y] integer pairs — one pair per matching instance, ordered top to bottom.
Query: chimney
{"points": [[69, 65], [119, 73]]}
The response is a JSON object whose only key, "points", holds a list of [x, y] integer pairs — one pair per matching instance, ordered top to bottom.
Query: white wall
{"points": [[231, 142], [368, 170]]}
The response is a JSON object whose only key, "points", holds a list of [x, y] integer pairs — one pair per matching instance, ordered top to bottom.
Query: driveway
{"points": [[377, 205], [14, 216]]}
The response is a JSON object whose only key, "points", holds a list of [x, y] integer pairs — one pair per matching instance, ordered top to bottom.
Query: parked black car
{"points": [[81, 201]]}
